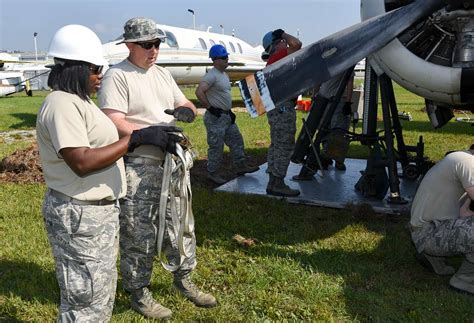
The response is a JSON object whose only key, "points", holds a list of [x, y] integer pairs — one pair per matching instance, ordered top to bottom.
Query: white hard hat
{"points": [[76, 42]]}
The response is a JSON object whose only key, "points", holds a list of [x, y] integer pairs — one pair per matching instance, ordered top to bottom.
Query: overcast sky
{"points": [[250, 19]]}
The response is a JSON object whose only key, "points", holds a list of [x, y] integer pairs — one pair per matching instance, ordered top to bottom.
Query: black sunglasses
{"points": [[148, 45], [222, 57], [96, 69]]}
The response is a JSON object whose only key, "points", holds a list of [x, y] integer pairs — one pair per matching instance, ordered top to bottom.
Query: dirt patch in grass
{"points": [[24, 166]]}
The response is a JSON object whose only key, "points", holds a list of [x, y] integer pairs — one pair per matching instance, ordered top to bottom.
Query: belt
{"points": [[221, 110], [142, 160], [67, 198]]}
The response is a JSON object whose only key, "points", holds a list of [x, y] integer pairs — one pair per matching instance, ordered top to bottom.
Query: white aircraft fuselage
{"points": [[185, 53], [11, 82]]}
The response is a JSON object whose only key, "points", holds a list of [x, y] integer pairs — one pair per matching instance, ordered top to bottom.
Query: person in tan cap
{"points": [[137, 93]]}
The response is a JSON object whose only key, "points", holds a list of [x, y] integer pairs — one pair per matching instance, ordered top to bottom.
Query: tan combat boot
{"points": [[243, 168], [216, 178], [271, 183], [279, 188], [434, 264], [463, 279], [187, 288], [141, 300]]}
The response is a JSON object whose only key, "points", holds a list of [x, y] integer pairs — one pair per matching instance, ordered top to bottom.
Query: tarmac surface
{"points": [[333, 188]]}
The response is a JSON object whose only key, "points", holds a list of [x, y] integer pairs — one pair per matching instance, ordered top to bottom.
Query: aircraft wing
{"points": [[330, 56], [3, 61], [175, 63], [243, 69]]}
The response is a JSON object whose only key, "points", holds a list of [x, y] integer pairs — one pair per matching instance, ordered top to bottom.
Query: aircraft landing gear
{"points": [[381, 173]]}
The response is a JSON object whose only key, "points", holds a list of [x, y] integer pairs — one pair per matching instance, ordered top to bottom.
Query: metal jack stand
{"points": [[389, 108], [392, 131], [306, 149], [314, 150]]}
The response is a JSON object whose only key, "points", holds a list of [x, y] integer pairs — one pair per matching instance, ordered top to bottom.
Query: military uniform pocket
{"points": [[78, 283]]}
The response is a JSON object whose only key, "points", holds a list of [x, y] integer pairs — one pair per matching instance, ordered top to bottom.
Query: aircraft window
{"points": [[171, 39], [212, 42], [203, 43], [232, 47], [240, 48]]}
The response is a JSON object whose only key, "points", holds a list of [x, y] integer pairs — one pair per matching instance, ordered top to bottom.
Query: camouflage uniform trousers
{"points": [[282, 121], [220, 131], [139, 224], [446, 238], [84, 242]]}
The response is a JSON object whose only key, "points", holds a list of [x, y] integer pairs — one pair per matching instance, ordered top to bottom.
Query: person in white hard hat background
{"points": [[137, 93], [214, 94], [80, 153]]}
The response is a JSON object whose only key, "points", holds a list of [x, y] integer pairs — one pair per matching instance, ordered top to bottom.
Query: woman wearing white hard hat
{"points": [[81, 156]]}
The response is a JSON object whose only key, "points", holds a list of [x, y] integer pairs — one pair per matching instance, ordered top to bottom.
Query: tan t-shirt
{"points": [[218, 93], [143, 95], [66, 121], [439, 195]]}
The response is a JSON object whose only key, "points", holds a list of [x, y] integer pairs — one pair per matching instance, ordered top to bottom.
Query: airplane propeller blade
{"points": [[328, 57]]}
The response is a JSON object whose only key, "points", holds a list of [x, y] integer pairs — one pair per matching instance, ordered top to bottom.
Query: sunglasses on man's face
{"points": [[149, 45], [222, 57], [96, 69]]}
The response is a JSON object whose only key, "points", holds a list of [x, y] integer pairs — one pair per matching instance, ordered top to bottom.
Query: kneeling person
{"points": [[442, 218]]}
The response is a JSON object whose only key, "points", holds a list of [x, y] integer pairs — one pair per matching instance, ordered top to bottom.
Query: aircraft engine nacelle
{"points": [[433, 58]]}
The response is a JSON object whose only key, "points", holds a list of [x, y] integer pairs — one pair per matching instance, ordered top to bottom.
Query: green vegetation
{"points": [[311, 264]]}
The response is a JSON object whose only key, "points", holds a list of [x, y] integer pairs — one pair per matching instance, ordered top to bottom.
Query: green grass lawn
{"points": [[311, 263]]}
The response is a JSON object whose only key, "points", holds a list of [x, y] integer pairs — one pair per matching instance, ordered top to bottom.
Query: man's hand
{"points": [[277, 34], [347, 109], [184, 114], [232, 116], [154, 135], [172, 140], [465, 210]]}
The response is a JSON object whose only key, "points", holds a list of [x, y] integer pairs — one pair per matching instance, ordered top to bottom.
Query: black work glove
{"points": [[277, 34], [347, 109], [215, 111], [184, 114], [232, 116], [154, 135], [172, 140]]}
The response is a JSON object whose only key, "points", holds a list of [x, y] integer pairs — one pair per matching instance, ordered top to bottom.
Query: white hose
{"points": [[182, 214]]}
